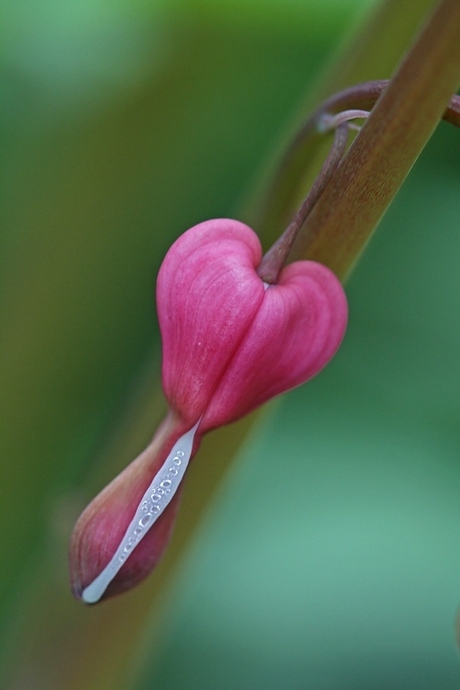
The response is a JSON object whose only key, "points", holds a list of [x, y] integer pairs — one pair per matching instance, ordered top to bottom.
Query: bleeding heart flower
{"points": [[230, 343]]}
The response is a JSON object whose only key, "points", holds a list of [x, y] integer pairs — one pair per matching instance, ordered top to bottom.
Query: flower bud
{"points": [[230, 343], [104, 525]]}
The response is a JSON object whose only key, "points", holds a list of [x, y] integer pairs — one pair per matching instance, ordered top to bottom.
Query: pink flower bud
{"points": [[230, 343], [103, 525]]}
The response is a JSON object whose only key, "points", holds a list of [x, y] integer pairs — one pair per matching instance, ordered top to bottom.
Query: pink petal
{"points": [[208, 294], [297, 329], [102, 524]]}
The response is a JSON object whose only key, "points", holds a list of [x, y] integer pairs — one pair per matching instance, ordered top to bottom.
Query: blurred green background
{"points": [[330, 558]]}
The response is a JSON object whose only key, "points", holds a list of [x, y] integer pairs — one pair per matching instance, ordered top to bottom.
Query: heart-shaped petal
{"points": [[208, 294], [297, 329], [230, 342]]}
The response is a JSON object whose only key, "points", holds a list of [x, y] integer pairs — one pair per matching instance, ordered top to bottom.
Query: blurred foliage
{"points": [[124, 124]]}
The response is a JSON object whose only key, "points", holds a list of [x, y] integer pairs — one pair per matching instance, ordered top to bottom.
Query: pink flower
{"points": [[230, 343]]}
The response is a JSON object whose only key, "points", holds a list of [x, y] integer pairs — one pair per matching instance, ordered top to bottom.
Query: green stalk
{"points": [[371, 52], [335, 112], [388, 145]]}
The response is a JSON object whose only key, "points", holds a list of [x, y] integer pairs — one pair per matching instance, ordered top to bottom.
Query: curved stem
{"points": [[358, 97], [336, 112], [404, 118], [329, 122], [274, 260]]}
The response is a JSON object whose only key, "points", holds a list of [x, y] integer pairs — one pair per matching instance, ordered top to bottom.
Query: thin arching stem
{"points": [[363, 97], [336, 112], [330, 122], [274, 260]]}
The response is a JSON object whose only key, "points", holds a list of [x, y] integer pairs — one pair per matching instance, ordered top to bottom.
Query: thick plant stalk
{"points": [[370, 52], [338, 111], [388, 145]]}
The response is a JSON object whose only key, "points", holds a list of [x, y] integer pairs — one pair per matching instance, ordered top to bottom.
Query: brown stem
{"points": [[360, 96], [335, 112], [329, 122], [388, 144], [274, 260]]}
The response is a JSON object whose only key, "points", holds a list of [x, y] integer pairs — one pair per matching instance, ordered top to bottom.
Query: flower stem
{"points": [[327, 117], [390, 141], [274, 260]]}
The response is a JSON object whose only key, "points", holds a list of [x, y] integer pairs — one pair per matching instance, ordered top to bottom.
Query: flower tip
{"points": [[120, 537], [95, 574]]}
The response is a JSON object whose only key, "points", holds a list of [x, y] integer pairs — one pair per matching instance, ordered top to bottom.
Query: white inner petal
{"points": [[154, 501]]}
